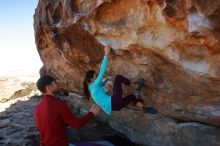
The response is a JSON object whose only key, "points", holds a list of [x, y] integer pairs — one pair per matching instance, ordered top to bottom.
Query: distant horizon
{"points": [[18, 51], [20, 72]]}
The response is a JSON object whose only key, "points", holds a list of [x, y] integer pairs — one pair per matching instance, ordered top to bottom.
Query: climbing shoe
{"points": [[140, 83], [150, 110]]}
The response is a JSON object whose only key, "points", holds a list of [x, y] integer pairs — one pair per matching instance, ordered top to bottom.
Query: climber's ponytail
{"points": [[88, 77], [86, 89]]}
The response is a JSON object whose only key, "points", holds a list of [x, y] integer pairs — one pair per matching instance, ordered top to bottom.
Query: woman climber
{"points": [[94, 87]]}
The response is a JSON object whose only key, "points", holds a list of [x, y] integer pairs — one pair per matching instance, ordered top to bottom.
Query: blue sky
{"points": [[17, 43]]}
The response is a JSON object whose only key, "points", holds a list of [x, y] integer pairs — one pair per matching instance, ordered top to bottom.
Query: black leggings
{"points": [[117, 101]]}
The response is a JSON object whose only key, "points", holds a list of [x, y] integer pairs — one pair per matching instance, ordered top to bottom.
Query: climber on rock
{"points": [[94, 86], [52, 115]]}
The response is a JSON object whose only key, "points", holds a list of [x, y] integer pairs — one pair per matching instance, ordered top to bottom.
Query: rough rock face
{"points": [[173, 44], [17, 125], [157, 130]]}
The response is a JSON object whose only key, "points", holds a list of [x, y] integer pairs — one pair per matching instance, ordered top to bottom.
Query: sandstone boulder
{"points": [[173, 44]]}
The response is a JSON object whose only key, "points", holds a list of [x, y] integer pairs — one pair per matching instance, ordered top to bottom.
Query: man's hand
{"points": [[107, 50], [95, 110]]}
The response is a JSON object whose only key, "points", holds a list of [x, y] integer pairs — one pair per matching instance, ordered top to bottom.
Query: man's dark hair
{"points": [[43, 82]]}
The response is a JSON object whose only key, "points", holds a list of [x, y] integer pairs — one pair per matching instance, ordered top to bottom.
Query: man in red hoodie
{"points": [[52, 115]]}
